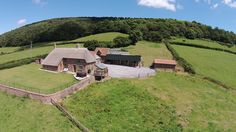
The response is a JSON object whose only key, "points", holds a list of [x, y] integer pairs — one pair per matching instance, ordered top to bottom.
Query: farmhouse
{"points": [[118, 57], [78, 60], [164, 64]]}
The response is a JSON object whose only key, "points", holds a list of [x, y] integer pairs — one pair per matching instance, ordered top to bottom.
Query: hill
{"points": [[73, 28], [101, 37], [210, 63], [155, 104], [22, 114]]}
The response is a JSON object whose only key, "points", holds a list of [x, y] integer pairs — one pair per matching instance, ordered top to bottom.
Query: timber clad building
{"points": [[118, 57], [73, 59], [164, 64]]}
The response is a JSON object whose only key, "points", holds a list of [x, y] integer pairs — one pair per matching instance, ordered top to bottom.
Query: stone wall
{"points": [[46, 98]]}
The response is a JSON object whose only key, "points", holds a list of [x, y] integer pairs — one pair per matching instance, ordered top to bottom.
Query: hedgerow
{"points": [[187, 66]]}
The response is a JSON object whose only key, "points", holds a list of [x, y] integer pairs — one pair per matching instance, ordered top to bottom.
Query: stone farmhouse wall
{"points": [[46, 98]]}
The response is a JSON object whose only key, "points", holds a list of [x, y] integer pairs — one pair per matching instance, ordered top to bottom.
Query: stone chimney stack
{"points": [[55, 45], [78, 46]]}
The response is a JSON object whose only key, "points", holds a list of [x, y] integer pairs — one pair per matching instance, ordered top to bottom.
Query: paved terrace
{"points": [[116, 71]]}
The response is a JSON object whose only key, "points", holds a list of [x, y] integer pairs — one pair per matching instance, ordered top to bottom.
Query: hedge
{"points": [[204, 47], [21, 62], [187, 67]]}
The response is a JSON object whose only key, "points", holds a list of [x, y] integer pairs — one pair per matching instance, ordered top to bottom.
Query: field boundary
{"points": [[203, 47], [187, 66], [217, 82], [46, 98], [69, 116]]}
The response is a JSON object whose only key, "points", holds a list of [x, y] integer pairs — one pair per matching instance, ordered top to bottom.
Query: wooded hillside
{"points": [[147, 28]]}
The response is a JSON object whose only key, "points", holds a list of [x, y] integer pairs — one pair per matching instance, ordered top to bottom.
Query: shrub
{"points": [[21, 62], [187, 67]]}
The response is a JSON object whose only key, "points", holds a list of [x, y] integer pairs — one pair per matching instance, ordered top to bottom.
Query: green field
{"points": [[102, 37], [208, 43], [8, 50], [149, 51], [29, 53], [215, 64], [31, 77], [117, 105], [134, 105], [24, 115]]}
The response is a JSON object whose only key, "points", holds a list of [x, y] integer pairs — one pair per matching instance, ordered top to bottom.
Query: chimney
{"points": [[55, 45], [78, 46]]}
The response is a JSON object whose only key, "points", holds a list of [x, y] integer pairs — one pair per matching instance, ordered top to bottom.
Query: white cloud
{"points": [[39, 2], [230, 3], [166, 4], [215, 6], [21, 22]]}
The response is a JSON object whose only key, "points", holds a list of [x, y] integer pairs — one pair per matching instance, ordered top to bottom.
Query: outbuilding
{"points": [[164, 64]]}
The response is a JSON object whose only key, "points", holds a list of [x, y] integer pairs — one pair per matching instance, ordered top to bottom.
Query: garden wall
{"points": [[46, 98]]}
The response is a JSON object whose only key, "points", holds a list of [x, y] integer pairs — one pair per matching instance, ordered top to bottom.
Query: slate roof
{"points": [[56, 56], [136, 58], [166, 62], [101, 66]]}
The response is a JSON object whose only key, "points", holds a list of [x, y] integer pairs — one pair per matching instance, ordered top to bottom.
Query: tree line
{"points": [[156, 30]]}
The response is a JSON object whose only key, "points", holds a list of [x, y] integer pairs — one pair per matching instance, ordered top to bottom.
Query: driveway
{"points": [[117, 71]]}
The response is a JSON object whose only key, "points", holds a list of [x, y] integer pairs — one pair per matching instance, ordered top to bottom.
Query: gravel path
{"points": [[117, 71]]}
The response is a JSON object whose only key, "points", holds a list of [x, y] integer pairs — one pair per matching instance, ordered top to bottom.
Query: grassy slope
{"points": [[101, 37], [208, 43], [8, 49], [150, 51], [29, 53], [214, 64], [30, 77], [117, 105], [126, 105], [201, 106], [20, 114]]}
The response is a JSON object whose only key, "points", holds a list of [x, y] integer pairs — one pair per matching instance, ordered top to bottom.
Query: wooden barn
{"points": [[118, 57], [164, 64]]}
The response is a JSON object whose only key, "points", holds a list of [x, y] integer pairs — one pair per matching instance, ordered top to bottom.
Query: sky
{"points": [[216, 13]]}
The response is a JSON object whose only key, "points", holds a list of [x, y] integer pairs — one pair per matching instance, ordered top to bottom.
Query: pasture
{"points": [[102, 37], [201, 42], [7, 50], [149, 51], [30, 53], [214, 64], [31, 77], [157, 103], [117, 105], [25, 115]]}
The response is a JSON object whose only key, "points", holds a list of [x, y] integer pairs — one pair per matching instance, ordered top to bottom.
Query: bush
{"points": [[122, 42], [204, 47], [21, 62], [187, 67]]}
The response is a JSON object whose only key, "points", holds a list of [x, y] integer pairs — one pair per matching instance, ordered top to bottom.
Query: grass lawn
{"points": [[101, 37], [208, 43], [8, 50], [150, 51], [29, 53], [215, 64], [30, 77], [152, 104], [117, 105], [200, 105], [25, 115]]}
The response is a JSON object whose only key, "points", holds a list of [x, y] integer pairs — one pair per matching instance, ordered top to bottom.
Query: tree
{"points": [[135, 36], [122, 41], [91, 44]]}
